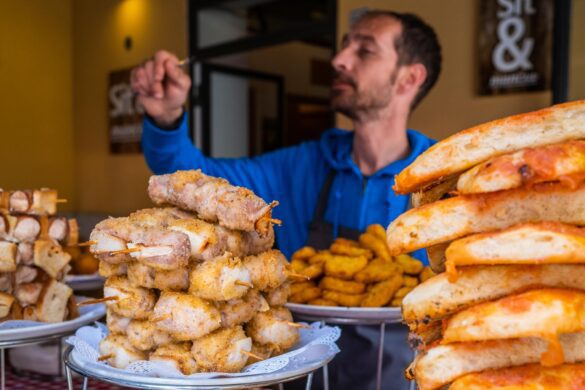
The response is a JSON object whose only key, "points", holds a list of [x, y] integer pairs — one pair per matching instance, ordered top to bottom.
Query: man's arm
{"points": [[162, 88], [167, 151]]}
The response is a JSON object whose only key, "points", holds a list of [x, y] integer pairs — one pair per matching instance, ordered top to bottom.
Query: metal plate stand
{"points": [[354, 321], [7, 344], [71, 366]]}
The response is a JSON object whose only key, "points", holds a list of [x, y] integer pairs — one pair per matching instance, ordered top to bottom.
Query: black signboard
{"points": [[515, 45], [124, 114]]}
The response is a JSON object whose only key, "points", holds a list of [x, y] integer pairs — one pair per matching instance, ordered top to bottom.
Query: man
{"points": [[334, 187]]}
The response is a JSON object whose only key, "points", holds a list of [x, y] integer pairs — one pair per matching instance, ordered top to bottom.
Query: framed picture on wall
{"points": [[514, 45], [124, 114]]}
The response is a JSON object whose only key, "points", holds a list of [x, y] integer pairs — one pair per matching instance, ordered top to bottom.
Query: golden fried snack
{"points": [[378, 231], [346, 241], [376, 244], [348, 250], [304, 253], [319, 257], [85, 264], [409, 264], [298, 265], [344, 267], [377, 270], [313, 271], [425, 274], [409, 281], [344, 286], [298, 287], [381, 293], [401, 293], [305, 295], [343, 299], [322, 302], [396, 302]]}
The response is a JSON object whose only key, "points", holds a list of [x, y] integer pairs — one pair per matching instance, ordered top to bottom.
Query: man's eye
{"points": [[362, 52]]}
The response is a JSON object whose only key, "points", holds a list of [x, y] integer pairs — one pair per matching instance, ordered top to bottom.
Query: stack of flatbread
{"points": [[500, 208]]}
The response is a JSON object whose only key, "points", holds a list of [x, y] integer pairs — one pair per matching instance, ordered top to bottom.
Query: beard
{"points": [[356, 103]]}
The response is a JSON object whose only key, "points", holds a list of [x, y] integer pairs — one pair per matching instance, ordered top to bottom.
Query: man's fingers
{"points": [[160, 58], [177, 76], [139, 81], [155, 87]]}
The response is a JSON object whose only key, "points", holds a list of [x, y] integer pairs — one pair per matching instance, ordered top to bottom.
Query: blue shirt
{"points": [[294, 176]]}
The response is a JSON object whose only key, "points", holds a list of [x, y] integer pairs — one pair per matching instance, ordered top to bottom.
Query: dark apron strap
{"points": [[323, 197], [321, 232], [357, 343]]}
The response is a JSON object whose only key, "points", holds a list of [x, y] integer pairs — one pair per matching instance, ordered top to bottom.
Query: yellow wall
{"points": [[577, 53], [36, 96], [453, 104], [108, 183]]}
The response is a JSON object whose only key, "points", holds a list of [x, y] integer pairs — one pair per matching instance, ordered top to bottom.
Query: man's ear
{"points": [[413, 76]]}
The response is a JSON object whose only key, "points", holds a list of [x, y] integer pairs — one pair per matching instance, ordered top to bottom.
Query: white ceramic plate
{"points": [[85, 282], [22, 330], [315, 357]]}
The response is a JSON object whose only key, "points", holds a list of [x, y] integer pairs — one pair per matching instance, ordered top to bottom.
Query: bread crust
{"points": [[470, 147], [563, 162], [453, 218], [531, 243], [437, 298], [544, 313], [443, 364], [529, 377]]}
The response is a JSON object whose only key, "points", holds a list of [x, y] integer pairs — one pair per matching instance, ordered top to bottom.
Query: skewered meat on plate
{"points": [[213, 199], [184, 316], [221, 351]]}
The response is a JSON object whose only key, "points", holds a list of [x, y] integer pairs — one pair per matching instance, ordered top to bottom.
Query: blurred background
{"points": [[261, 79]]}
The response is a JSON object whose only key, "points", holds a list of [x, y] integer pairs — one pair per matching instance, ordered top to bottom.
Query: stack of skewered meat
{"points": [[33, 263], [195, 285]]}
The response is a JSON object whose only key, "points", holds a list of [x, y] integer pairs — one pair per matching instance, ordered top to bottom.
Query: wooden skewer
{"points": [[60, 200], [86, 243], [122, 251], [297, 275], [245, 284], [100, 300], [160, 318], [297, 325], [251, 354], [106, 357]]}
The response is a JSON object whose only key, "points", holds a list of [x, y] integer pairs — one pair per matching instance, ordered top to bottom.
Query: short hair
{"points": [[418, 43]]}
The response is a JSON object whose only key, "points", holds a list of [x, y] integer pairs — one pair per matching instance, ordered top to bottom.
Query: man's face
{"points": [[365, 68]]}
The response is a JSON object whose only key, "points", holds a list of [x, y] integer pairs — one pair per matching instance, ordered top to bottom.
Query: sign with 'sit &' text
{"points": [[515, 45], [124, 114]]}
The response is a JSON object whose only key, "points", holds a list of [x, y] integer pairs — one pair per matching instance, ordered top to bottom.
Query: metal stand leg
{"points": [[60, 357], [380, 357], [2, 369], [325, 370], [69, 378], [85, 380], [309, 381], [412, 385], [280, 386]]}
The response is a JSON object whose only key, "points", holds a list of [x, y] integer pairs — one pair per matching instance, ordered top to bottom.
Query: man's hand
{"points": [[162, 87]]}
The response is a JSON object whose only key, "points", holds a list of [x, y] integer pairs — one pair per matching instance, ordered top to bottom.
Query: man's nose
{"points": [[341, 61]]}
